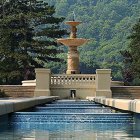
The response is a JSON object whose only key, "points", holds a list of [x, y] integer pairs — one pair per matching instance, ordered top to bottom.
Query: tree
{"points": [[28, 29], [131, 56], [127, 72]]}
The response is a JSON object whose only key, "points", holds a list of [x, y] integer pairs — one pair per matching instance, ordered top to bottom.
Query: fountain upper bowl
{"points": [[73, 23], [72, 41]]}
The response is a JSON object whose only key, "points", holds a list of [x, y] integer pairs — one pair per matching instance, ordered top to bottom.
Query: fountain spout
{"points": [[74, 16]]}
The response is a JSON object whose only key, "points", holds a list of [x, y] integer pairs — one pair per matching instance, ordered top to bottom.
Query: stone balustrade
{"points": [[72, 79]]}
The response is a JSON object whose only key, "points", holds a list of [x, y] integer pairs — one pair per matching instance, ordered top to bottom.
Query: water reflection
{"points": [[69, 132]]}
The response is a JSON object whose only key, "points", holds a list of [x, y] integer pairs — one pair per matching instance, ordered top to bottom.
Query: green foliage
{"points": [[109, 22], [28, 29], [131, 56]]}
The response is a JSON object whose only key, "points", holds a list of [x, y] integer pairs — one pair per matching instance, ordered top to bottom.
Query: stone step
{"points": [[73, 102], [72, 105], [74, 109], [72, 117]]}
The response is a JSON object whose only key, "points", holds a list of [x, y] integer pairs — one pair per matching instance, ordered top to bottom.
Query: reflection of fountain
{"points": [[73, 43]]}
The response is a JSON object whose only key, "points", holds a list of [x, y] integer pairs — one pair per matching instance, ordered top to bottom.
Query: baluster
{"points": [[94, 78], [77, 79], [80, 79], [87, 79], [91, 79], [52, 80], [56, 80], [60, 80], [66, 80], [71, 80], [74, 80]]}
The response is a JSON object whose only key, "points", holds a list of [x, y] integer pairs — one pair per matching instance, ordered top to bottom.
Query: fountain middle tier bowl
{"points": [[73, 41]]}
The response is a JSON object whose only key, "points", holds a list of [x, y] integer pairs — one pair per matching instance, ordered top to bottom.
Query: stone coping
{"points": [[42, 70], [103, 71], [29, 83], [113, 83], [126, 86], [123, 104], [9, 105]]}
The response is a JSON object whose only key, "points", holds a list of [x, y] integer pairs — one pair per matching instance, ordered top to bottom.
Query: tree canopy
{"points": [[28, 29]]}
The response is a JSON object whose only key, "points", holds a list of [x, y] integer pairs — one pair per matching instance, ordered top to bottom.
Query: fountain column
{"points": [[73, 61]]}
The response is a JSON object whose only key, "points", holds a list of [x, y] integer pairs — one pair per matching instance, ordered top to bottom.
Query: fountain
{"points": [[73, 42]]}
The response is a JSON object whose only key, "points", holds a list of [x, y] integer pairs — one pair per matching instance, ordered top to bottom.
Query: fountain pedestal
{"points": [[73, 43], [73, 61]]}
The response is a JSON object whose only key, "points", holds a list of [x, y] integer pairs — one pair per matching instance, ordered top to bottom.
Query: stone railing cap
{"points": [[42, 70], [102, 71]]}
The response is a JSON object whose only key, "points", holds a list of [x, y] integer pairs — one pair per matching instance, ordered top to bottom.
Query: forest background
{"points": [[107, 23]]}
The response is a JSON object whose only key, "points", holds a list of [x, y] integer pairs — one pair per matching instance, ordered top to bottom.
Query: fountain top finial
{"points": [[74, 16]]}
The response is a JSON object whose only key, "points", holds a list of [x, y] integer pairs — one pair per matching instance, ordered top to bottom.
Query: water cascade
{"points": [[71, 112]]}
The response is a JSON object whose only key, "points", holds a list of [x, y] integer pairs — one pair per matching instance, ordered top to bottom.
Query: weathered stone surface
{"points": [[17, 90], [126, 92], [123, 104], [12, 105]]}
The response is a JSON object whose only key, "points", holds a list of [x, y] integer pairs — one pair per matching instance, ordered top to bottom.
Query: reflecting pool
{"points": [[63, 120]]}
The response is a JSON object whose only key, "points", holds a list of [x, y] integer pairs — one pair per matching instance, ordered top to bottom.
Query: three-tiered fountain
{"points": [[73, 42]]}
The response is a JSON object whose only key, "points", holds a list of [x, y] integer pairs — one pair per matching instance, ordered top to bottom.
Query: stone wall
{"points": [[17, 90], [118, 92], [126, 92]]}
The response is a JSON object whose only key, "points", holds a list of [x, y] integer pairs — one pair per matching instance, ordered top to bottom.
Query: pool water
{"points": [[32, 126], [68, 131]]}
